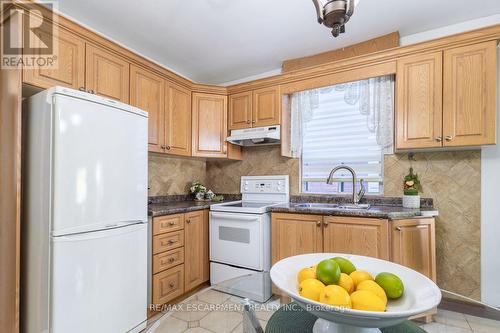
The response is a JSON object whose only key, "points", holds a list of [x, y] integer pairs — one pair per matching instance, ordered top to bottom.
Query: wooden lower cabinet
{"points": [[195, 233], [294, 234], [361, 236], [408, 242], [414, 245], [180, 255], [168, 285]]}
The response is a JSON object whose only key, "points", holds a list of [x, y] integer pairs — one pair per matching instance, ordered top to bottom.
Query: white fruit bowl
{"points": [[421, 294]]}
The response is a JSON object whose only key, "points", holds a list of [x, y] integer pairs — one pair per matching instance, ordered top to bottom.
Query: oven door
{"points": [[238, 239]]}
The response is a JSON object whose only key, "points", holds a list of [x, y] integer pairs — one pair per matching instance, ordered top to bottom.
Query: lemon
{"points": [[346, 266], [328, 272], [306, 273], [360, 276], [346, 282], [392, 285], [373, 287], [311, 288], [336, 296], [367, 301]]}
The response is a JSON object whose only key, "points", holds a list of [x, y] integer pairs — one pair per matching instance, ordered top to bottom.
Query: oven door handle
{"points": [[239, 217]]}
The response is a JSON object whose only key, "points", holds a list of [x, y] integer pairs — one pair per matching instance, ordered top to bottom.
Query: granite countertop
{"points": [[178, 204], [177, 207], [386, 212]]}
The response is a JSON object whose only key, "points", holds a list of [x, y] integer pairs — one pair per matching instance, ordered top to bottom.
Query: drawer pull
{"points": [[171, 223], [413, 226], [169, 242], [171, 260], [171, 285]]}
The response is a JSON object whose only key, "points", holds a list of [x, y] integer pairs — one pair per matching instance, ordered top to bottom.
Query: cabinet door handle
{"points": [[82, 89], [248, 121], [253, 121], [448, 138], [439, 139], [163, 146], [168, 147], [188, 221], [318, 223], [325, 224], [413, 226]]}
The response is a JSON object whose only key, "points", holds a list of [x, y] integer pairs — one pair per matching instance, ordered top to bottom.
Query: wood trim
{"points": [[373, 45], [380, 57], [347, 75], [286, 123], [10, 198]]}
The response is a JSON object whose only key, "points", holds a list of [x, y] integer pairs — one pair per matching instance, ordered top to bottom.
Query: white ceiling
{"points": [[216, 41]]}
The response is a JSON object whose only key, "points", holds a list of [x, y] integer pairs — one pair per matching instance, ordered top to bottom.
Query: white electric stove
{"points": [[240, 237]]}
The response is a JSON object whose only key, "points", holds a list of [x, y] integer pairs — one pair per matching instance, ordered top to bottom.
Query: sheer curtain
{"points": [[374, 97]]}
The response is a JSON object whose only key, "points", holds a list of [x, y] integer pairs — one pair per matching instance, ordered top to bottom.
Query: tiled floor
{"points": [[210, 311]]}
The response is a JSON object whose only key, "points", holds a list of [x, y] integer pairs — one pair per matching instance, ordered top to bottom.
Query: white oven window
{"points": [[232, 234]]}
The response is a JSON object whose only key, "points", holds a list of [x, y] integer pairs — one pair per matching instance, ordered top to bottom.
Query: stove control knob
{"points": [[245, 188]]}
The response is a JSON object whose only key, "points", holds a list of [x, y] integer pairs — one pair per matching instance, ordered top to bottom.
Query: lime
{"points": [[346, 266], [328, 272], [392, 285]]}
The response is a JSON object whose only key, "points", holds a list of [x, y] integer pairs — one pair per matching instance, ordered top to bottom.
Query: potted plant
{"points": [[411, 189], [198, 190]]}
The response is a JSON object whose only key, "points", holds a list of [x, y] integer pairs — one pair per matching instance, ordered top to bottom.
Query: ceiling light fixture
{"points": [[334, 14]]}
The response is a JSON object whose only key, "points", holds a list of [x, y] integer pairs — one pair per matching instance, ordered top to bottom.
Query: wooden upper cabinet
{"points": [[69, 69], [107, 74], [470, 90], [147, 92], [419, 101], [266, 107], [240, 111], [177, 120], [209, 125], [294, 234], [361, 236], [414, 245], [195, 252]]}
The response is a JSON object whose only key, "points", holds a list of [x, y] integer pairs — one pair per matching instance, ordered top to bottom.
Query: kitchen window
{"points": [[350, 124]]}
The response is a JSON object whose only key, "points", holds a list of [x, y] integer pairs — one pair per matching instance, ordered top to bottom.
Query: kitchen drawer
{"points": [[168, 223], [168, 241], [168, 259], [168, 285]]}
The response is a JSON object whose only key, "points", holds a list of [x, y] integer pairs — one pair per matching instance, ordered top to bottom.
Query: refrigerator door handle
{"points": [[100, 233]]}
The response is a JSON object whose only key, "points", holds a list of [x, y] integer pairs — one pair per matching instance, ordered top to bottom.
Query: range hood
{"points": [[258, 136]]}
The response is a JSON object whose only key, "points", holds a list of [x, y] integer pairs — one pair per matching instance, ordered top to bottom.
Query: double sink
{"points": [[327, 206]]}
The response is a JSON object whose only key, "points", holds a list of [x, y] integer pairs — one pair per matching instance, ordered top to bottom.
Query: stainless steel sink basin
{"points": [[316, 205], [331, 206]]}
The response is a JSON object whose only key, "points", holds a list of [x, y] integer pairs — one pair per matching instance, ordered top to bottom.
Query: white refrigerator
{"points": [[84, 231]]}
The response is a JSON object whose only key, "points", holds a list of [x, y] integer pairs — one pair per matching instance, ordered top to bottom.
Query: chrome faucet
{"points": [[356, 197]]}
